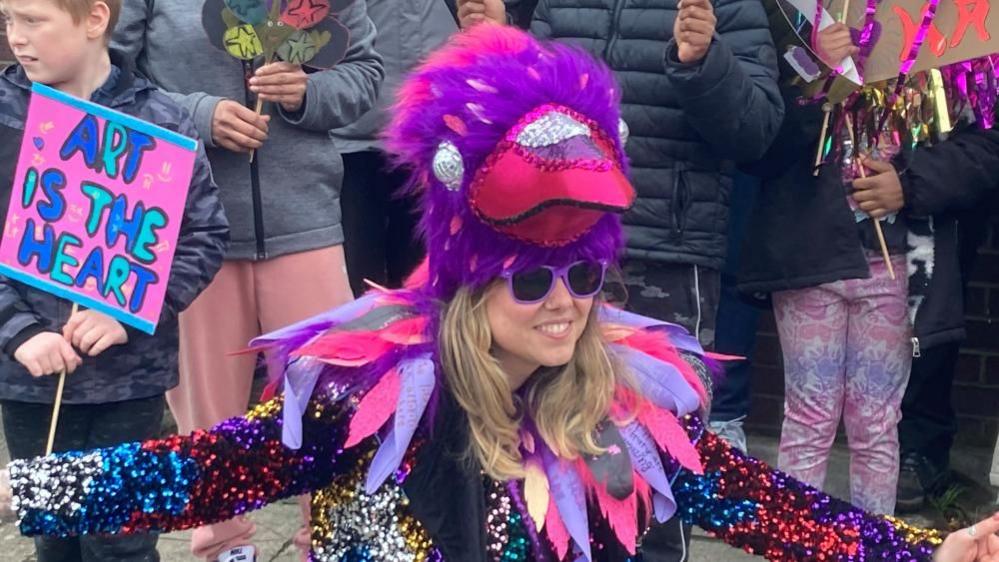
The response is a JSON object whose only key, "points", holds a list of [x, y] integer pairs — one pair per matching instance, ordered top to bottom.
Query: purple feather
{"points": [[678, 335], [299, 382], [661, 383]]}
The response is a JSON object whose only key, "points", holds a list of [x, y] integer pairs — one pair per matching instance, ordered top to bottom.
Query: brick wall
{"points": [[976, 390]]}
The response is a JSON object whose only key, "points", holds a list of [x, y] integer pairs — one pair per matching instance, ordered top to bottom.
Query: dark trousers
{"points": [[379, 227], [679, 293], [687, 295], [738, 318], [735, 335], [928, 421], [83, 427]]}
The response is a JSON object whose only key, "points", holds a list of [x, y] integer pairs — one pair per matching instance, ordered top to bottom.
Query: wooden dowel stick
{"points": [[877, 223], [58, 400]]}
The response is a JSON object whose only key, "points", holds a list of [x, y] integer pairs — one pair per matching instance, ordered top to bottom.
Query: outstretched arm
{"points": [[180, 482], [766, 512]]}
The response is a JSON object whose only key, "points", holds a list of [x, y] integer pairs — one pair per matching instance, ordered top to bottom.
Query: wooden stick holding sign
{"points": [[877, 223], [58, 399]]}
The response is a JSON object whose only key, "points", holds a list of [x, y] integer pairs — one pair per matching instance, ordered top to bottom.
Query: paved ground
{"points": [[276, 523]]}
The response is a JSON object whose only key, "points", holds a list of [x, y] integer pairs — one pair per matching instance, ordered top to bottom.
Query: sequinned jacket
{"points": [[365, 423]]}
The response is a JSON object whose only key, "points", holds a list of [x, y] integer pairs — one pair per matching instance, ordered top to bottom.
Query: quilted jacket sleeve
{"points": [[731, 97]]}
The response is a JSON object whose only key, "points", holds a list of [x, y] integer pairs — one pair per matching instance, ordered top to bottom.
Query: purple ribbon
{"points": [[660, 382], [416, 383], [646, 460], [569, 494]]}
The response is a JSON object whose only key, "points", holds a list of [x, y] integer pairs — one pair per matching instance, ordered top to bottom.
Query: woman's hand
{"points": [[977, 543]]}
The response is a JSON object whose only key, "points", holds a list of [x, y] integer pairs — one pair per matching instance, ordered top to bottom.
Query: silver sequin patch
{"points": [[550, 129], [623, 131], [449, 168], [54, 483], [370, 521]]}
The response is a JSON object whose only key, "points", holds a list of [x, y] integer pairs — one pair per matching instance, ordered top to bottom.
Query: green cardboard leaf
{"points": [[242, 42]]}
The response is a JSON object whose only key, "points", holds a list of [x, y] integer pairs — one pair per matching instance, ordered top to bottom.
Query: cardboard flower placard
{"points": [[304, 32]]}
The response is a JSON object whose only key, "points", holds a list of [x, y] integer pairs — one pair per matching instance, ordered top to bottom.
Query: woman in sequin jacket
{"points": [[494, 409]]}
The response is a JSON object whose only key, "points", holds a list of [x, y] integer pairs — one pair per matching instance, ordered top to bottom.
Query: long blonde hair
{"points": [[566, 403]]}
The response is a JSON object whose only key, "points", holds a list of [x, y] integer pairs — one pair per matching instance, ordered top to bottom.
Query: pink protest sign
{"points": [[96, 206]]}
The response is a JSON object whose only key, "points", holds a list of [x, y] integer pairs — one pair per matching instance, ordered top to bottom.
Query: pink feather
{"points": [[419, 277], [410, 331], [346, 349], [374, 409], [669, 436], [621, 515], [558, 536]]}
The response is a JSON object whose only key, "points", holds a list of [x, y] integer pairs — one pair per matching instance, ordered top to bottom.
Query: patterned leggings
{"points": [[846, 352]]}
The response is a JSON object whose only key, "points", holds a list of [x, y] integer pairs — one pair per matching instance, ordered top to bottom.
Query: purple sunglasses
{"points": [[583, 279]]}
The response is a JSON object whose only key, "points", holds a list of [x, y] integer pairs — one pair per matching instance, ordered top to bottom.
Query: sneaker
{"points": [[730, 432], [917, 478], [910, 494], [239, 554]]}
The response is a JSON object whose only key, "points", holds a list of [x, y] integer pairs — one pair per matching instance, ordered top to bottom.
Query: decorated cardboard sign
{"points": [[960, 30], [297, 31], [96, 206]]}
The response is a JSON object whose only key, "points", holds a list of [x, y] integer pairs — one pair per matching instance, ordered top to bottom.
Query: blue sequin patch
{"points": [[699, 496]]}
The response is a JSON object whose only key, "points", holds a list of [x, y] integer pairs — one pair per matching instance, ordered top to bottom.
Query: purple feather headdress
{"points": [[515, 149]]}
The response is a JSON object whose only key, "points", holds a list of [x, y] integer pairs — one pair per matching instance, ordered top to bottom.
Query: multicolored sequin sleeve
{"points": [[179, 482], [764, 511]]}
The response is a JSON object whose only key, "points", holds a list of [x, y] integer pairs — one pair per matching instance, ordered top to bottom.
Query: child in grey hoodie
{"points": [[285, 260]]}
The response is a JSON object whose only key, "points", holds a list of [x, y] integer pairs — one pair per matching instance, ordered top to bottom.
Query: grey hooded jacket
{"points": [[408, 30], [300, 170]]}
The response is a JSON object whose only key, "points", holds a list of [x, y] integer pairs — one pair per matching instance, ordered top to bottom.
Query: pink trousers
{"points": [[245, 300], [846, 354]]}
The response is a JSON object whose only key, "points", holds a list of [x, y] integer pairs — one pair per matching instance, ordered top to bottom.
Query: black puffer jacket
{"points": [[688, 123], [802, 232]]}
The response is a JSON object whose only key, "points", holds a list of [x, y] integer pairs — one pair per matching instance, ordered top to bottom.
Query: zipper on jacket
{"points": [[615, 29], [678, 203], [258, 206], [915, 348]]}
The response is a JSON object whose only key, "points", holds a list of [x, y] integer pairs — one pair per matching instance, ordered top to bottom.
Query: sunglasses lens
{"points": [[586, 278], [530, 286]]}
